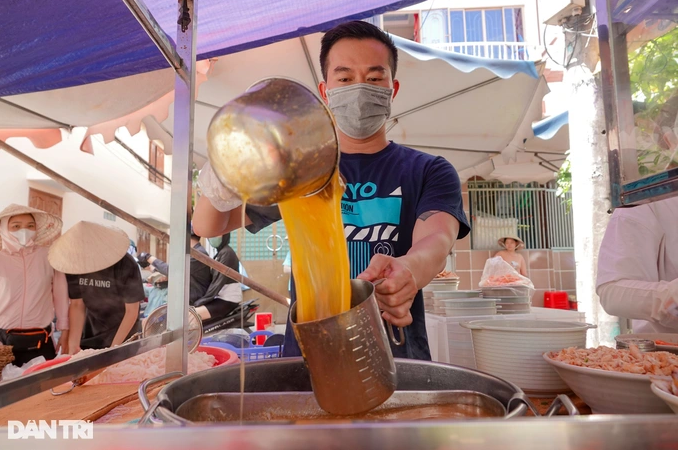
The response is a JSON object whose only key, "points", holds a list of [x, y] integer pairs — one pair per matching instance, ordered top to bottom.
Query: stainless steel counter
{"points": [[566, 433]]}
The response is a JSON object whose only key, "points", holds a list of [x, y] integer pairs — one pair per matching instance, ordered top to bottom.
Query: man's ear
{"points": [[396, 88], [322, 89]]}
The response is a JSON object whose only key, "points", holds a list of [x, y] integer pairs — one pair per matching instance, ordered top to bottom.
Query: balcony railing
{"points": [[495, 50]]}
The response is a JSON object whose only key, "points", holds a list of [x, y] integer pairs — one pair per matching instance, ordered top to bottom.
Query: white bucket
{"points": [[513, 349]]}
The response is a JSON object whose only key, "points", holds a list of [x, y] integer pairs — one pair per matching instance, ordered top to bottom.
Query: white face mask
{"points": [[360, 109], [24, 236]]}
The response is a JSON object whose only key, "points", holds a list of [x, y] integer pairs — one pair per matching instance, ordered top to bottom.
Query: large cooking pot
{"points": [[290, 375]]}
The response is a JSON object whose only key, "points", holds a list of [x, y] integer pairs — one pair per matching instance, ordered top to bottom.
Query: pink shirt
{"points": [[30, 290]]}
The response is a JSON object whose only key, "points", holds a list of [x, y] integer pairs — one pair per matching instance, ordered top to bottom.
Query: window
{"points": [[477, 28], [156, 160]]}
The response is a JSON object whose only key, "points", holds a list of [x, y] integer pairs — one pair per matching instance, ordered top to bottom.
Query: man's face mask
{"points": [[360, 109], [24, 236]]}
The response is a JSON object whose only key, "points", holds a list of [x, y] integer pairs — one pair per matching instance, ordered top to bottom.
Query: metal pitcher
{"points": [[275, 142], [348, 355]]}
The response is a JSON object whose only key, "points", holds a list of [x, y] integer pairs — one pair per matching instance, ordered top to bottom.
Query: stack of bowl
{"points": [[510, 299]]}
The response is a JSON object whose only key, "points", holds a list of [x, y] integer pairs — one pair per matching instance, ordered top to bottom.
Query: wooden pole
{"points": [[216, 265]]}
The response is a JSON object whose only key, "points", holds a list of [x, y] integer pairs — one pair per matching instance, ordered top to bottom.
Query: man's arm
{"points": [[210, 222], [433, 238], [76, 313], [128, 321]]}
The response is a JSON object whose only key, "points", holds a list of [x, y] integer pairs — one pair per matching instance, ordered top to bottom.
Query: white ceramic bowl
{"points": [[512, 349], [608, 392], [669, 399]]}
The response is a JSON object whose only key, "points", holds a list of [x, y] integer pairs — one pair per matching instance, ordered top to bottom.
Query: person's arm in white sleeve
{"points": [[628, 274], [642, 300]]}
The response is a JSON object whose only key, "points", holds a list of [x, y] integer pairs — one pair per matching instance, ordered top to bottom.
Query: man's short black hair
{"points": [[357, 29]]}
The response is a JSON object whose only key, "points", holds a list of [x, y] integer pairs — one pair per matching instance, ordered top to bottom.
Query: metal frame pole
{"points": [[180, 212]]}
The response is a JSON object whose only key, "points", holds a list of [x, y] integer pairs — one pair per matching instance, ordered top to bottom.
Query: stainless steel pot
{"points": [[275, 142], [291, 375]]}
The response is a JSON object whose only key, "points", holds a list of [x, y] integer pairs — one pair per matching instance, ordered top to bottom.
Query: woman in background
{"points": [[511, 244], [31, 292]]}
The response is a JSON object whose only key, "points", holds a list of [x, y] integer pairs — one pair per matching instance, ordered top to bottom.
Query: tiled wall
{"points": [[548, 269]]}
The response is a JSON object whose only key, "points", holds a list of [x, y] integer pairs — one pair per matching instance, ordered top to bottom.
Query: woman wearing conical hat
{"points": [[511, 243], [104, 285], [31, 291]]}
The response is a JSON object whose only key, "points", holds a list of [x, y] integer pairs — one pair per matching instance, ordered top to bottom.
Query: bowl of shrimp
{"points": [[614, 381], [667, 390]]}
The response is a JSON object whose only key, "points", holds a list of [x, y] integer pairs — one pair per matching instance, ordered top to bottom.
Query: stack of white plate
{"points": [[510, 299], [462, 304]]}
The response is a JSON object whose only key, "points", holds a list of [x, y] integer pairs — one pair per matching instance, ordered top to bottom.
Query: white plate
{"points": [[608, 392]]}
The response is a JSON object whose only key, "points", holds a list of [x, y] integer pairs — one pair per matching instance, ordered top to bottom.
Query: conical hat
{"points": [[47, 226], [511, 236], [88, 247]]}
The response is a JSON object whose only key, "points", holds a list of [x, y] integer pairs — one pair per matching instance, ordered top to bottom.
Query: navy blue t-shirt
{"points": [[385, 194]]}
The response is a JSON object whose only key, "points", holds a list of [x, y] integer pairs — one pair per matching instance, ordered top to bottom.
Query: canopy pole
{"points": [[159, 37]]}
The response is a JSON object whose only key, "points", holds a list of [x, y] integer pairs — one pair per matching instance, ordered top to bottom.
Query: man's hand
{"points": [[143, 260], [396, 294], [62, 345]]}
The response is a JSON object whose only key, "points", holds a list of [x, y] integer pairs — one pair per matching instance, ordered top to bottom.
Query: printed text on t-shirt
{"points": [[96, 283]]}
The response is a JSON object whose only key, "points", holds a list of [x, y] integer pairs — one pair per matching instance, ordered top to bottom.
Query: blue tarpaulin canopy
{"points": [[49, 44]]}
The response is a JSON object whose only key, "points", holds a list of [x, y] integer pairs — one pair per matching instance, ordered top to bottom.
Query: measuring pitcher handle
{"points": [[388, 326], [391, 335]]}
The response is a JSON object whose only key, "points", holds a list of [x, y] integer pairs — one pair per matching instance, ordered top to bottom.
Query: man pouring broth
{"points": [[402, 209]]}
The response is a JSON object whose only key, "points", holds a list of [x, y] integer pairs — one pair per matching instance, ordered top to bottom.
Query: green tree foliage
{"points": [[653, 70]]}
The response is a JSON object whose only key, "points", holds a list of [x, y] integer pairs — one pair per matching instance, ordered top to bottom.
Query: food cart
{"points": [[594, 431]]}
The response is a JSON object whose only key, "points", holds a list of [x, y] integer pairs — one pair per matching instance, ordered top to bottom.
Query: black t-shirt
{"points": [[386, 192], [105, 293]]}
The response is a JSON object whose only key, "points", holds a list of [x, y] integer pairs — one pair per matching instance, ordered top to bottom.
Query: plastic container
{"points": [[442, 286], [507, 291], [456, 294], [514, 300], [556, 300], [469, 303], [503, 308], [466, 312], [453, 344], [513, 349], [252, 353], [223, 356]]}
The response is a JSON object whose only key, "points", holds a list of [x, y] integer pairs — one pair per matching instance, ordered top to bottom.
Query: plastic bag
{"points": [[222, 198], [499, 273], [11, 371]]}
